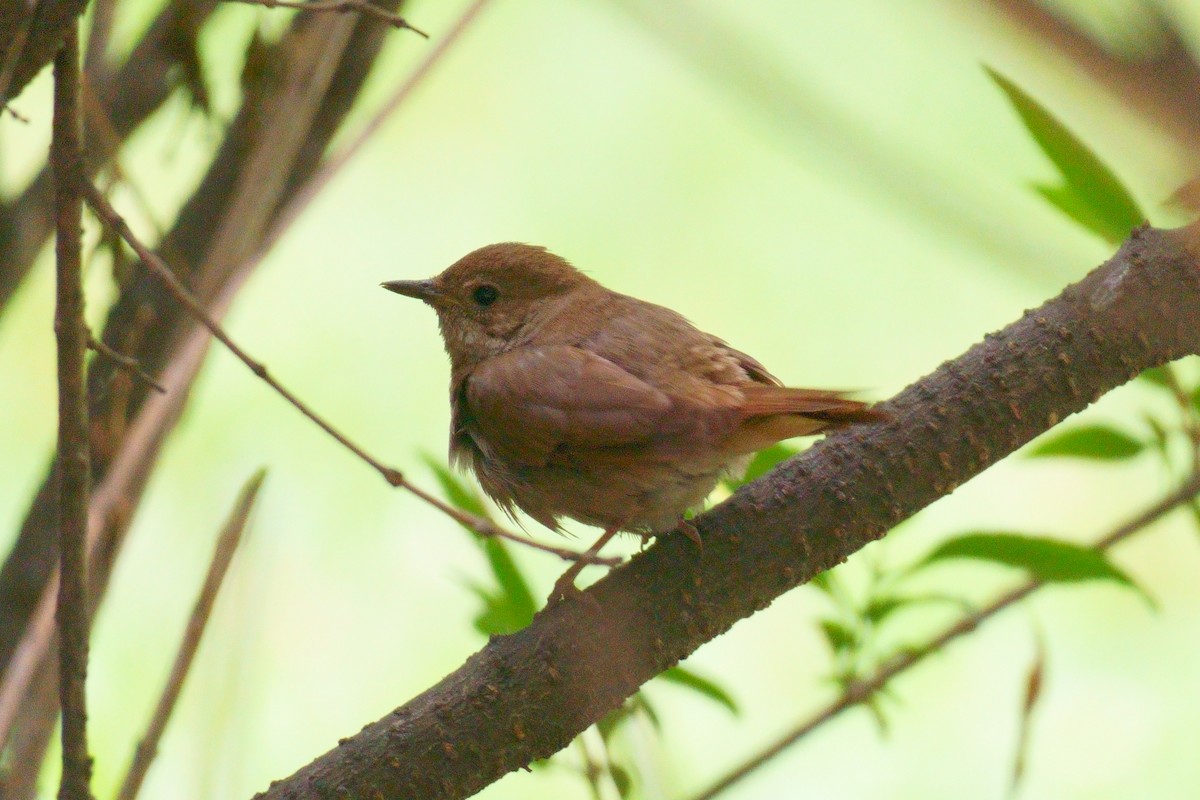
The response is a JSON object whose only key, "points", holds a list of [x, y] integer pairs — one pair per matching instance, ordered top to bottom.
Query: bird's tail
{"points": [[774, 413]]}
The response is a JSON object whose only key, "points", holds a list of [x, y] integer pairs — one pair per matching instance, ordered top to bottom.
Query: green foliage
{"points": [[1091, 194], [1157, 376], [1095, 442], [762, 463], [458, 494], [1046, 559], [510, 606], [854, 627], [701, 685], [637, 704], [622, 779]]}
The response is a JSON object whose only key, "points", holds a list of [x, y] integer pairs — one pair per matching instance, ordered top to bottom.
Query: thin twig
{"points": [[341, 7], [17, 115], [333, 165], [125, 362], [73, 463], [393, 476], [227, 544], [863, 690]]}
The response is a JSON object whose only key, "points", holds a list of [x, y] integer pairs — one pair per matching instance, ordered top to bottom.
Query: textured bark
{"points": [[72, 472], [525, 696]]}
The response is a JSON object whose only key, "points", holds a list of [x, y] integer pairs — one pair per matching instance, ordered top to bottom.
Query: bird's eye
{"points": [[485, 295]]}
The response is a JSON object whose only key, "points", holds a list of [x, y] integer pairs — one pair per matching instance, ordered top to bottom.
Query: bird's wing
{"points": [[754, 370], [529, 402]]}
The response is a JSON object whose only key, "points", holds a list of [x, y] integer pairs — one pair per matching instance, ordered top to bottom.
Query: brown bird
{"points": [[571, 400]]}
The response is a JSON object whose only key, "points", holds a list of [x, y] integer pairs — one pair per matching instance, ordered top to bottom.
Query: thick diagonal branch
{"points": [[527, 695]]}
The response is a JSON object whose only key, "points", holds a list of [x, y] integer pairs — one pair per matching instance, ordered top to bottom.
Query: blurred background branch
{"points": [[845, 175]]}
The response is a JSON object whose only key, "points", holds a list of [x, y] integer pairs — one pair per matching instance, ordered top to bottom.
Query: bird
{"points": [[570, 400]]}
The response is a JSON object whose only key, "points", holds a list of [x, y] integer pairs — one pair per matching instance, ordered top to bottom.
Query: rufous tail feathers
{"points": [[775, 413]]}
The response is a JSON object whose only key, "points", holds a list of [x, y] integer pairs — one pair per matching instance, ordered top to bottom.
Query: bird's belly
{"points": [[643, 498]]}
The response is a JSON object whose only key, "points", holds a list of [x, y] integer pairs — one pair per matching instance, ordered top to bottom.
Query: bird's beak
{"points": [[422, 290]]}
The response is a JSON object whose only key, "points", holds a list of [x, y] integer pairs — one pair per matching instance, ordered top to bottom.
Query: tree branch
{"points": [[72, 464], [525, 696]]}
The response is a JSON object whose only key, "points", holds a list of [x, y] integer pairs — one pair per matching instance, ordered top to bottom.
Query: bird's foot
{"points": [[565, 588]]}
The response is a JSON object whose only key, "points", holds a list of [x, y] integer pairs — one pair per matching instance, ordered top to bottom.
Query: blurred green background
{"points": [[836, 188]]}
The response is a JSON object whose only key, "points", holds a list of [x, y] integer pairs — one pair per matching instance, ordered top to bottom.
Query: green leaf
{"points": [[1091, 193], [1067, 200], [1157, 376], [1196, 399], [1097, 442], [766, 460], [762, 463], [458, 494], [1194, 508], [1049, 560], [823, 581], [512, 583], [830, 583], [511, 607], [881, 608], [494, 618], [840, 637], [706, 687], [640, 703], [609, 723], [621, 779]]}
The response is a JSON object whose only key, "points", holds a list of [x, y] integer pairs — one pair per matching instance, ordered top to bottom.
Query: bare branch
{"points": [[365, 7], [126, 363], [73, 463], [227, 544]]}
